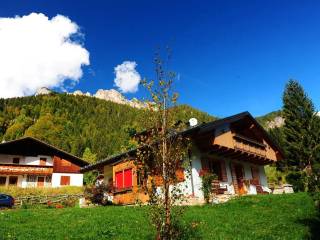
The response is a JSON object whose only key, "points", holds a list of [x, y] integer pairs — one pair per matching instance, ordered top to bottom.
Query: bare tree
{"points": [[163, 152]]}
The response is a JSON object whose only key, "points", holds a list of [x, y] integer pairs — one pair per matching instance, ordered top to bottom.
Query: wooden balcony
{"points": [[249, 145], [240, 154], [10, 169]]}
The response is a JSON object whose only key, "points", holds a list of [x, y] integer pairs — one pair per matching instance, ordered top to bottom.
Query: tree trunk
{"points": [[167, 220]]}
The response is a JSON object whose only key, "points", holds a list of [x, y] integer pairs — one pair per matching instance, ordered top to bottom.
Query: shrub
{"points": [[207, 177], [298, 180], [21, 192]]}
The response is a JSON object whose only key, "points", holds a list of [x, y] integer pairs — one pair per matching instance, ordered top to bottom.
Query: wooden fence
{"points": [[34, 200]]}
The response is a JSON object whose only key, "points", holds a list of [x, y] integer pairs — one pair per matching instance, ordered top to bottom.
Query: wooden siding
{"points": [[247, 144], [64, 166], [128, 195]]}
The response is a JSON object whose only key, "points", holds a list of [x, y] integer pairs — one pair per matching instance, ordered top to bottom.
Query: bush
{"points": [[207, 178], [297, 179], [21, 192]]}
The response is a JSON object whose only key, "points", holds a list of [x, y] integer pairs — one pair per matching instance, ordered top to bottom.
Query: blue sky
{"points": [[231, 56]]}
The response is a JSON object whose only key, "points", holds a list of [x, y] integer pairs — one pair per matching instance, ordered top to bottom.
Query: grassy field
{"points": [[256, 217]]}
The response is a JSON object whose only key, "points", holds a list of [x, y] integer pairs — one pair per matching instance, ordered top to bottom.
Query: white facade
{"points": [[25, 160], [76, 179], [192, 184]]}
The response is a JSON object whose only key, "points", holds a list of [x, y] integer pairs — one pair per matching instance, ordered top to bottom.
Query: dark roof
{"points": [[199, 129], [29, 146], [110, 160]]}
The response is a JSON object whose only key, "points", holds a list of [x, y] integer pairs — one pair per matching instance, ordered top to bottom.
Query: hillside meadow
{"points": [[251, 217]]}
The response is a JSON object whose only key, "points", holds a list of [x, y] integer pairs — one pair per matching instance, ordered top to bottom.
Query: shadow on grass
{"points": [[314, 226]]}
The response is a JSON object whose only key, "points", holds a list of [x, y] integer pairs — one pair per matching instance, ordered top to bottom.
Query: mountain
{"points": [[108, 95], [271, 120], [74, 122]]}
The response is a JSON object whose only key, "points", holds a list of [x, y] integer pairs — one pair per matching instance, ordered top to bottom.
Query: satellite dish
{"points": [[193, 122]]}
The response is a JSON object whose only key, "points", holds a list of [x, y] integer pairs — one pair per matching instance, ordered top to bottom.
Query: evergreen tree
{"points": [[300, 139], [89, 156]]}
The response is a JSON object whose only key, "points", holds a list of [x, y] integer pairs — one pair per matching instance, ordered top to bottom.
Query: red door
{"points": [[40, 182]]}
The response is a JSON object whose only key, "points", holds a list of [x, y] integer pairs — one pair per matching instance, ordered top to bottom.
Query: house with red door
{"points": [[235, 148], [29, 162]]}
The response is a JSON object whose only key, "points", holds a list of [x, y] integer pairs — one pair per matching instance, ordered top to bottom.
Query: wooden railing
{"points": [[249, 145]]}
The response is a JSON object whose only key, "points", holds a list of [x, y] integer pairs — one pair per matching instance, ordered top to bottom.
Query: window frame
{"points": [[15, 177], [123, 187]]}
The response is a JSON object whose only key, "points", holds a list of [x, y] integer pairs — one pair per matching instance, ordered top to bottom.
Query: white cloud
{"points": [[36, 51], [127, 78]]}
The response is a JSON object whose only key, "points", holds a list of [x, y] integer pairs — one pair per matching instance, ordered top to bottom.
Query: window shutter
{"points": [[224, 176], [128, 178], [119, 179], [65, 180]]}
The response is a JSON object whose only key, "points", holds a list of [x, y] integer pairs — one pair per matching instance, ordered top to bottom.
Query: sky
{"points": [[230, 56]]}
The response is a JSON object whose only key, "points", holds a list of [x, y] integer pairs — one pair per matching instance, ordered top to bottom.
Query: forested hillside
{"points": [[74, 123]]}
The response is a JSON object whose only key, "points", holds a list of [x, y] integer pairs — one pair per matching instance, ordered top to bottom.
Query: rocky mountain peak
{"points": [[42, 91], [104, 94], [276, 122]]}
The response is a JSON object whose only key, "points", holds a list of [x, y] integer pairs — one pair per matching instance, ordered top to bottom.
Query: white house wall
{"points": [[27, 160], [36, 160], [195, 170], [76, 179]]}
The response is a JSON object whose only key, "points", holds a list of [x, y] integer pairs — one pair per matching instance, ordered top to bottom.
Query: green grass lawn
{"points": [[255, 217]]}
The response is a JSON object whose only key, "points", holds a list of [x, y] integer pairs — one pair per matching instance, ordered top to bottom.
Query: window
{"points": [[16, 160], [43, 161], [215, 167], [31, 179], [48, 179], [124, 179], [3, 180], [13, 180], [65, 180], [2, 197]]}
